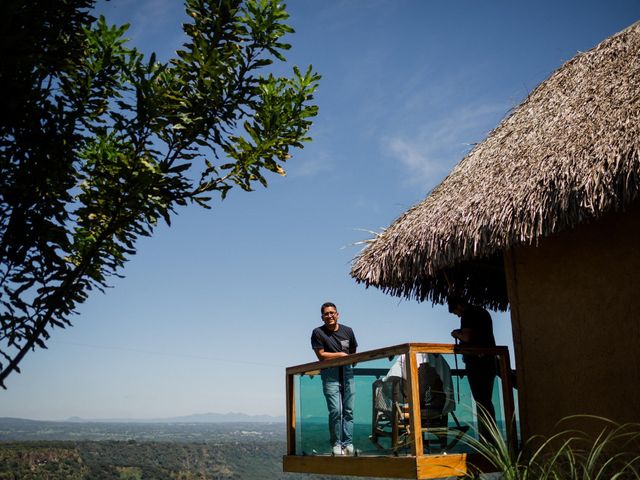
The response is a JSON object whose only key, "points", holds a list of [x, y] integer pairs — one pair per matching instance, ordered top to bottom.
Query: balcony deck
{"points": [[405, 425]]}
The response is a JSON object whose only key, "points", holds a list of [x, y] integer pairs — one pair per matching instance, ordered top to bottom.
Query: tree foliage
{"points": [[98, 142], [237, 458]]}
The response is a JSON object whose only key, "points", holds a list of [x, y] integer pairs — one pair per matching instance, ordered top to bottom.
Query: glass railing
{"points": [[408, 400]]}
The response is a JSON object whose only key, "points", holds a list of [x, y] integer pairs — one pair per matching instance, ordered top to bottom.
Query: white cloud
{"points": [[431, 149], [415, 156]]}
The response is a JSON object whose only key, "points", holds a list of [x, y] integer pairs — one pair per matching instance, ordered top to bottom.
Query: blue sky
{"points": [[213, 309]]}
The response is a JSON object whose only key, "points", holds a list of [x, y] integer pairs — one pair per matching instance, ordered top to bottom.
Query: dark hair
{"points": [[453, 301], [327, 304]]}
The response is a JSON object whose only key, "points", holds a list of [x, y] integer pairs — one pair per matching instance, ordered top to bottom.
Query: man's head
{"points": [[456, 305], [330, 315]]}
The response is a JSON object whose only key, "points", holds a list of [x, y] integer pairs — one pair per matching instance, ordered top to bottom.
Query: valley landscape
{"points": [[79, 450]]}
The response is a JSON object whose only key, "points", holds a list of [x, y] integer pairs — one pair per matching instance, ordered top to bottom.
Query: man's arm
{"points": [[462, 334], [322, 355]]}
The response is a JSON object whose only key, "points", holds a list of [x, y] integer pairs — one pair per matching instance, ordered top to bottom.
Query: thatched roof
{"points": [[568, 154]]}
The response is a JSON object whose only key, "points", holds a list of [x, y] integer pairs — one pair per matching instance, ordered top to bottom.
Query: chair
{"points": [[438, 402], [390, 416]]}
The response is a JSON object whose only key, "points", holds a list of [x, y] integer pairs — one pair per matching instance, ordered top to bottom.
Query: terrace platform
{"points": [[414, 414]]}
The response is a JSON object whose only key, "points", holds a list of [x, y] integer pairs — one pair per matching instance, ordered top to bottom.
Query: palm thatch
{"points": [[568, 154]]}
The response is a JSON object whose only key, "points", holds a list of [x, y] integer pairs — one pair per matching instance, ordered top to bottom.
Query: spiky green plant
{"points": [[569, 454]]}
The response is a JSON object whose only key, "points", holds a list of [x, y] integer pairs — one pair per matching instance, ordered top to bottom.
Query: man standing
{"points": [[476, 330], [332, 340]]}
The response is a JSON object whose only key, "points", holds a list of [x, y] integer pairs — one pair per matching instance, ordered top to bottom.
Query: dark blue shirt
{"points": [[478, 321], [342, 340]]}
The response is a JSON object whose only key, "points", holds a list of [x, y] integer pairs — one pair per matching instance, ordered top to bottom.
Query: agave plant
{"points": [[569, 454]]}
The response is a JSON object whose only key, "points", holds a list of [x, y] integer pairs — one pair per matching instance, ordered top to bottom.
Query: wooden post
{"points": [[507, 398], [414, 403], [291, 415]]}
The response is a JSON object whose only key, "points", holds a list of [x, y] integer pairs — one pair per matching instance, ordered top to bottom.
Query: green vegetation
{"points": [[99, 143], [145, 451], [611, 454], [111, 460], [36, 462]]}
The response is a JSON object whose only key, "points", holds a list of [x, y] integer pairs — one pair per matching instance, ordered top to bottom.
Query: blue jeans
{"points": [[339, 390]]}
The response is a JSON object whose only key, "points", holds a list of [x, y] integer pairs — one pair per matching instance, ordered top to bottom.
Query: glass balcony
{"points": [[413, 411]]}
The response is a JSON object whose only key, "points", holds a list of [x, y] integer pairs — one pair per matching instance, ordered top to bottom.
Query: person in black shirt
{"points": [[476, 330], [333, 340]]}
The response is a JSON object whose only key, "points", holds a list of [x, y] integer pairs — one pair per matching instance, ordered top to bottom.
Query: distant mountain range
{"points": [[231, 417]]}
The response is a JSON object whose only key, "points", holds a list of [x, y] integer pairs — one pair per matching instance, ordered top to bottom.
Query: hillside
{"points": [[34, 450]]}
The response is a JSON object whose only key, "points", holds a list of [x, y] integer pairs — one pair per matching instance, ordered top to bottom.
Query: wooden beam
{"points": [[511, 274], [350, 359], [313, 367], [507, 399], [414, 403], [291, 414], [438, 466], [386, 467], [425, 467]]}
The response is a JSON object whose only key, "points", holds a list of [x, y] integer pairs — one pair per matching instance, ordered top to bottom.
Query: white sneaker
{"points": [[336, 450], [349, 450]]}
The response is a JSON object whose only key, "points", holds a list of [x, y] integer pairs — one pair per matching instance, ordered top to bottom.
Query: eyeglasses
{"points": [[326, 314]]}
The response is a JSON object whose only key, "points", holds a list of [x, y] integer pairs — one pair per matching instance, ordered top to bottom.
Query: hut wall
{"points": [[575, 307]]}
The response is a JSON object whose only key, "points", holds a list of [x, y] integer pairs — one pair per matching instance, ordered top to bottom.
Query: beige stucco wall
{"points": [[575, 307]]}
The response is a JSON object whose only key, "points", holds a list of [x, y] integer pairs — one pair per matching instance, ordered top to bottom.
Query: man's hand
{"points": [[463, 334], [322, 355]]}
